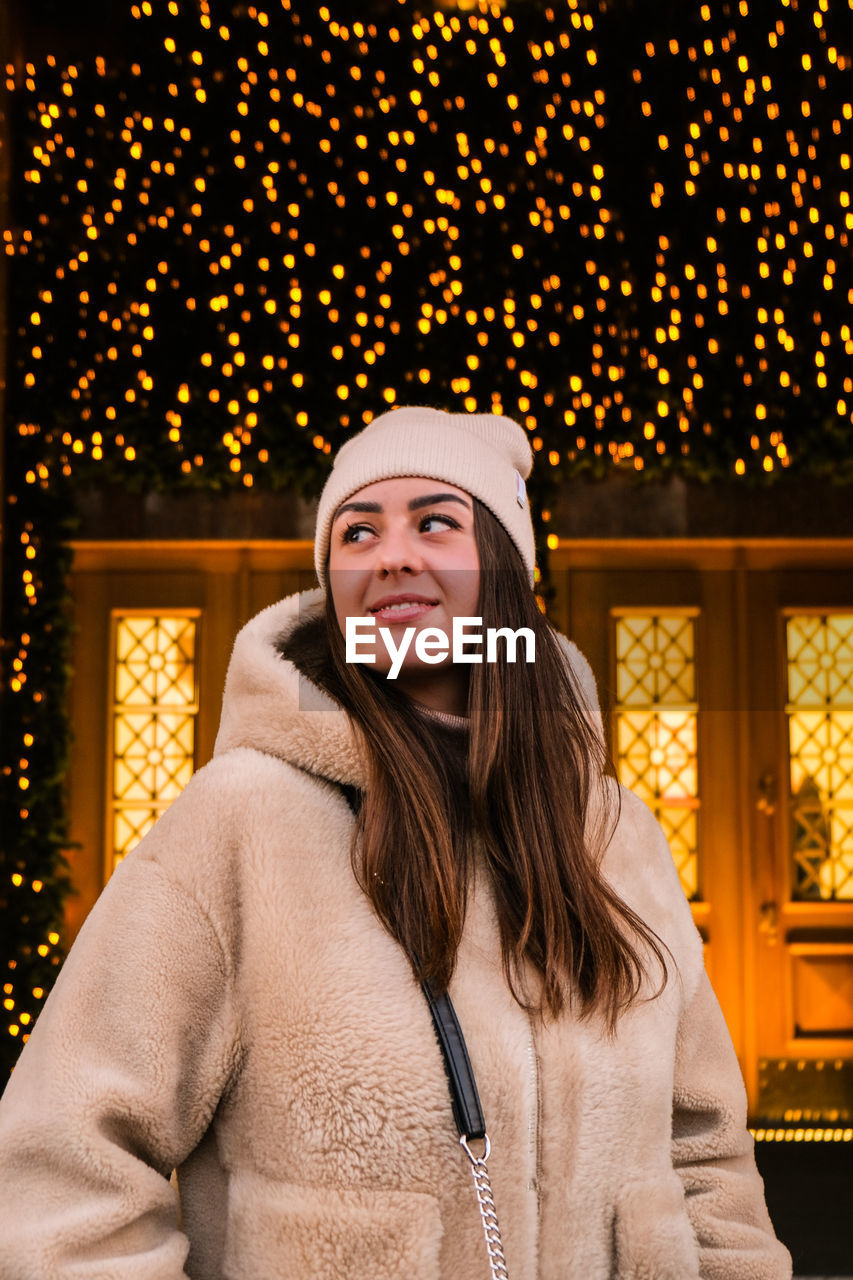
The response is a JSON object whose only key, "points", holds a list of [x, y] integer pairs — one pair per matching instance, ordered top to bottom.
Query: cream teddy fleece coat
{"points": [[233, 1010]]}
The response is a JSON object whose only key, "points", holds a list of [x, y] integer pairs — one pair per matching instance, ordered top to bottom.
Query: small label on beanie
{"points": [[520, 490]]}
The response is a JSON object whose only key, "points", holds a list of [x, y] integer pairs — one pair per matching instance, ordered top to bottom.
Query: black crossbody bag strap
{"points": [[464, 1100], [470, 1121]]}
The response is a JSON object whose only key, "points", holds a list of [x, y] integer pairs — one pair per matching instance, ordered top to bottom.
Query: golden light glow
{"points": [[445, 200], [435, 205], [656, 720], [153, 721], [820, 733], [799, 1134]]}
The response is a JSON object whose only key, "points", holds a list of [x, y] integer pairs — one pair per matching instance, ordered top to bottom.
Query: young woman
{"points": [[244, 1003]]}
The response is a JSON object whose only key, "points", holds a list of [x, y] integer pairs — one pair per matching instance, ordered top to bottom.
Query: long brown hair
{"points": [[530, 783]]}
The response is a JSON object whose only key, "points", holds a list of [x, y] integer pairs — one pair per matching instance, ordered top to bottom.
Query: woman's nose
{"points": [[398, 552]]}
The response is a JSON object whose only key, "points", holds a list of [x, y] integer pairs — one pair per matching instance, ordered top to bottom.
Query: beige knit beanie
{"points": [[486, 455]]}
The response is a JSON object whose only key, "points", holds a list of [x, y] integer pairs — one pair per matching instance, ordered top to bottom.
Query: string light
{"points": [[446, 165], [791, 1133]]}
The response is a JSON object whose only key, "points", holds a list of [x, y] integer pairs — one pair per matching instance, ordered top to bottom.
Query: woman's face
{"points": [[403, 552]]}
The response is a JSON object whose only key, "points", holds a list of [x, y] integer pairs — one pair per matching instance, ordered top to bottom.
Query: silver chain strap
{"points": [[488, 1212]]}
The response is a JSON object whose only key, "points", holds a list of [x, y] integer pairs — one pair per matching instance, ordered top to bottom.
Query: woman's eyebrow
{"points": [[431, 498], [428, 500], [374, 508]]}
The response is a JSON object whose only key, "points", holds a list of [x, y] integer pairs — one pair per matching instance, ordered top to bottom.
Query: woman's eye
{"points": [[436, 523], [356, 533]]}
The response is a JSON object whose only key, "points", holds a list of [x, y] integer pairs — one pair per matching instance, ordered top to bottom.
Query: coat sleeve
{"points": [[116, 1086], [712, 1151]]}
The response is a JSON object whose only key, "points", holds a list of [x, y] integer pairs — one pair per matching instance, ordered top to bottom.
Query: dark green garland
{"points": [[33, 820]]}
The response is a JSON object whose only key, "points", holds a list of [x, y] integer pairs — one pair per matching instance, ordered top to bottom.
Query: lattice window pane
{"points": [[655, 660], [154, 709], [657, 726], [820, 741]]}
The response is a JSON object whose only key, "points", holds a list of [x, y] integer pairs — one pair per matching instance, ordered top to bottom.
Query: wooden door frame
{"points": [[228, 582]]}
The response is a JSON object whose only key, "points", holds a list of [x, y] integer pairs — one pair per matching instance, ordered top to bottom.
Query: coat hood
{"points": [[272, 706]]}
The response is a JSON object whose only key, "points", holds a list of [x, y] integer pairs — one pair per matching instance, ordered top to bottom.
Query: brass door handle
{"points": [[766, 802], [768, 912], [768, 921]]}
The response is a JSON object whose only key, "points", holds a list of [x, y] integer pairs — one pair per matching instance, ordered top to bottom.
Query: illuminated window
{"points": [[154, 708], [656, 726], [820, 740]]}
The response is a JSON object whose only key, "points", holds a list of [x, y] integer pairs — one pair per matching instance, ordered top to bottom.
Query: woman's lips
{"points": [[400, 611]]}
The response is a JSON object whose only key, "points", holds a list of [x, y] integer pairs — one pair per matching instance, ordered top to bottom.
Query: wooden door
{"points": [[660, 643], [717, 652], [800, 662]]}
